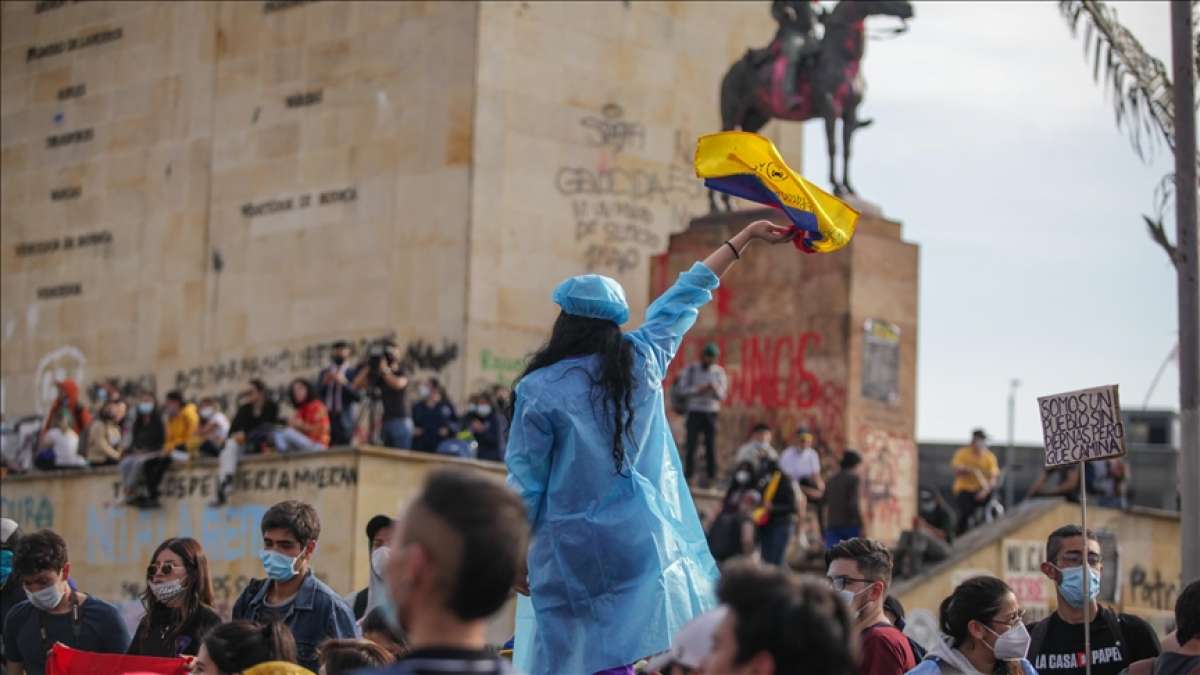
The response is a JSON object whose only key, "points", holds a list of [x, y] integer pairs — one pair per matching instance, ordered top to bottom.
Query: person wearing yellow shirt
{"points": [[975, 473]]}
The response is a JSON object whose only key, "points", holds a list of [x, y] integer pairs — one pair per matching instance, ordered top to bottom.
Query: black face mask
{"points": [[338, 360]]}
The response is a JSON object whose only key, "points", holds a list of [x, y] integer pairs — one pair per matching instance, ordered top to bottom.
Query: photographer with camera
{"points": [[382, 376]]}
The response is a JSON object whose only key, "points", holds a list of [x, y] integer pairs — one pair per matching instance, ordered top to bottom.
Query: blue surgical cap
{"points": [[593, 296]]}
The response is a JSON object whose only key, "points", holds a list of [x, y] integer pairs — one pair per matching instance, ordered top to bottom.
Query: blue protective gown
{"points": [[618, 563]]}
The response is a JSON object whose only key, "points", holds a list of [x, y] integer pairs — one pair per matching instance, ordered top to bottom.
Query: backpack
{"points": [[679, 398]]}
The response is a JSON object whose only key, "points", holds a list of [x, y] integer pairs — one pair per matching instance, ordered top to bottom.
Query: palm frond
{"points": [[1137, 83]]}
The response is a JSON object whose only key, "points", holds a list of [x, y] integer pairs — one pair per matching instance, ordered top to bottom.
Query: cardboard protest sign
{"points": [[1082, 425]]}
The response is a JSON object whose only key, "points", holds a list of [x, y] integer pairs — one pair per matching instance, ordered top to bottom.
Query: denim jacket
{"points": [[317, 614]]}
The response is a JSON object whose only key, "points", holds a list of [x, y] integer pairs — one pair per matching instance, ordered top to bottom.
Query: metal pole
{"points": [[1187, 252], [1010, 485], [1087, 573]]}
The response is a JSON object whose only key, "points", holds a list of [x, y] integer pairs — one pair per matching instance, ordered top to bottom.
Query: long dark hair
{"points": [[613, 384], [197, 584], [976, 599], [238, 645]]}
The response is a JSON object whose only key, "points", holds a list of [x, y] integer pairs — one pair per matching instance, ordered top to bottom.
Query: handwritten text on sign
{"points": [[1082, 425]]}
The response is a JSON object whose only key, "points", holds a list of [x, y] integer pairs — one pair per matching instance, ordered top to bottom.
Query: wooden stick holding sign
{"points": [[1080, 426]]}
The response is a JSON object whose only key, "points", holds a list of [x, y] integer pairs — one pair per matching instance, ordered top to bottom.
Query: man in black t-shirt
{"points": [[256, 418], [783, 499], [1117, 640]]}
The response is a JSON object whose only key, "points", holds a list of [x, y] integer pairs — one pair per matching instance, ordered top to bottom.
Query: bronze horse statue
{"points": [[831, 88]]}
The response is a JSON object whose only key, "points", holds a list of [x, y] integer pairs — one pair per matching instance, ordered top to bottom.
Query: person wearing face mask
{"points": [[335, 390], [433, 416], [214, 427], [487, 428], [104, 436], [147, 438], [732, 532], [379, 533], [456, 552], [860, 570], [11, 593], [291, 593], [178, 601], [53, 611], [983, 633], [1057, 641]]}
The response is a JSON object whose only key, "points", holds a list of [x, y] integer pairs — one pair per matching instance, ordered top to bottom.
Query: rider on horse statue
{"points": [[797, 38]]}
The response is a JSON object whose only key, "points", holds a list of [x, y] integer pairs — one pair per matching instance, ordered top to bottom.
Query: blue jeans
{"points": [[398, 433], [288, 439], [836, 535], [774, 538]]}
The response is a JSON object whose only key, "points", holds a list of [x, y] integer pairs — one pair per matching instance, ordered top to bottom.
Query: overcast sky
{"points": [[1000, 155]]}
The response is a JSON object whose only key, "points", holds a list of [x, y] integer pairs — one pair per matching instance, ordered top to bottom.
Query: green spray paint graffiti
{"points": [[501, 369]]}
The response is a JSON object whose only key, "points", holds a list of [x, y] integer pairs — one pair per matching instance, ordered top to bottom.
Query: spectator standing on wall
{"points": [[383, 377], [705, 385], [334, 389], [68, 401], [433, 416], [253, 423], [214, 427], [308, 427], [104, 435], [60, 446], [975, 473], [844, 501], [291, 593], [178, 601], [54, 612], [1117, 639]]}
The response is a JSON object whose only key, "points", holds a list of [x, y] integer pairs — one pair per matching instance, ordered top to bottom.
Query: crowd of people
{"points": [[145, 436], [452, 558]]}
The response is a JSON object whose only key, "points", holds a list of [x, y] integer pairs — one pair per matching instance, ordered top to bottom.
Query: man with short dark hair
{"points": [[704, 384], [339, 396], [256, 418], [975, 473], [379, 535], [456, 554], [860, 570], [291, 593], [54, 612], [778, 622], [1056, 644]]}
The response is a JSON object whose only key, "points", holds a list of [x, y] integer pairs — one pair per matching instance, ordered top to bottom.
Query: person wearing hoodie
{"points": [[68, 401], [983, 633]]}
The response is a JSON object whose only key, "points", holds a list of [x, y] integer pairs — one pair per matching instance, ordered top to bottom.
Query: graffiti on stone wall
{"points": [[610, 131], [66, 362], [500, 369], [771, 381], [889, 464], [251, 480], [31, 513], [117, 534], [1148, 588]]}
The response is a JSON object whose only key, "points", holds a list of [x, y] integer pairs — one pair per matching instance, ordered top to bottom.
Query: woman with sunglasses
{"points": [[178, 601], [983, 633]]}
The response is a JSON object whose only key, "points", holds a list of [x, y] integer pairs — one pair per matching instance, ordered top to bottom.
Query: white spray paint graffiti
{"points": [[60, 364]]}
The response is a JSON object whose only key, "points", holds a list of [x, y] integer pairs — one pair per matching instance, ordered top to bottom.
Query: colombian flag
{"points": [[747, 165], [64, 660]]}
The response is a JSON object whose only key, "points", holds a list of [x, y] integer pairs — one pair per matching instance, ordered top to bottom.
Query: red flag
{"points": [[66, 661]]}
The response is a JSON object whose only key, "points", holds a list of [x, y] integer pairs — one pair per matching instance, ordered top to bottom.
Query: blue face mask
{"points": [[145, 408], [277, 565], [5, 566], [1071, 585], [391, 613]]}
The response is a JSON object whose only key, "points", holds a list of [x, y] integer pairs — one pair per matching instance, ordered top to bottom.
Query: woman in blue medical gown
{"points": [[618, 562]]}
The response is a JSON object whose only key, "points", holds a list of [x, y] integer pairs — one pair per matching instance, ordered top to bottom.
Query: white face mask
{"points": [[423, 392], [484, 410], [206, 413], [379, 560], [167, 591], [848, 597], [47, 598], [1013, 644]]}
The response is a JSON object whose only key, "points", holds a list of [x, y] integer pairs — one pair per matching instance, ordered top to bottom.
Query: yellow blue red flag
{"points": [[749, 166]]}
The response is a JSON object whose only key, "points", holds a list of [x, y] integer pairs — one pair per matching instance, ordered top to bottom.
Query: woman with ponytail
{"points": [[619, 561], [178, 600], [982, 633], [247, 648]]}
